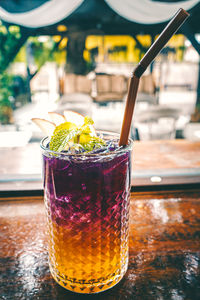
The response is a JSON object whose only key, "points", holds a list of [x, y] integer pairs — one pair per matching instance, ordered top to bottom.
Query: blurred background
{"points": [[79, 55]]}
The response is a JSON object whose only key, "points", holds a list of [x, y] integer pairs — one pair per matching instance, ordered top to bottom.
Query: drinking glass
{"points": [[87, 205]]}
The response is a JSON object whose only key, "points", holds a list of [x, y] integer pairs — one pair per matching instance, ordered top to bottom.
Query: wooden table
{"points": [[164, 226], [164, 250]]}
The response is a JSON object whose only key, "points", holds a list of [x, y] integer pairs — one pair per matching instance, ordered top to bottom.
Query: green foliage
{"points": [[9, 39], [42, 51], [21, 55], [6, 93]]}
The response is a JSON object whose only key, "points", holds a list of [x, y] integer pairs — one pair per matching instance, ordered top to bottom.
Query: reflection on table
{"points": [[164, 250]]}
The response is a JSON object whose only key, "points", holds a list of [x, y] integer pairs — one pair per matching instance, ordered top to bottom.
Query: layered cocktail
{"points": [[87, 203]]}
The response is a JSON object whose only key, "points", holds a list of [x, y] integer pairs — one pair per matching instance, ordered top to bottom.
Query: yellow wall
{"points": [[104, 43], [133, 54]]}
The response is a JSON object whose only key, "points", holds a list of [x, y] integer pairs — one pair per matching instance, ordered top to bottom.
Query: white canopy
{"points": [[138, 11], [148, 12], [49, 13]]}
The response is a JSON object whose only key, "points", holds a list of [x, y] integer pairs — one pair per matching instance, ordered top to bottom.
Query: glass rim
{"points": [[122, 149]]}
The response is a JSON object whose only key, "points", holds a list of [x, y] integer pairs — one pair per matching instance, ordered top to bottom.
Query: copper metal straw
{"points": [[155, 48]]}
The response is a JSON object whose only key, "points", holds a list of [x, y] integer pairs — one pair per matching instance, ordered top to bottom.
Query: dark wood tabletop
{"points": [[164, 250]]}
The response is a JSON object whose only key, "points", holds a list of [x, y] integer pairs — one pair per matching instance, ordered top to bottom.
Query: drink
{"points": [[87, 203]]}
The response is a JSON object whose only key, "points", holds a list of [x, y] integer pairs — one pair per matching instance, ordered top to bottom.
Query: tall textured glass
{"points": [[87, 204]]}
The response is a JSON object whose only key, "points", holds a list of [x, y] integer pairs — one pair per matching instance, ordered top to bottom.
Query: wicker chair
{"points": [[109, 88]]}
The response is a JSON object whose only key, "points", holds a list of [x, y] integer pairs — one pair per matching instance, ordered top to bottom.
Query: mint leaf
{"points": [[88, 121], [68, 135], [61, 138], [94, 143]]}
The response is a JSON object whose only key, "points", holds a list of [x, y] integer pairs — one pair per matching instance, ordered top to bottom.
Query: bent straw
{"points": [[155, 48]]}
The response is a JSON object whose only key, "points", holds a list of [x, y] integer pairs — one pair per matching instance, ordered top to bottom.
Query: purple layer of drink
{"points": [[87, 201]]}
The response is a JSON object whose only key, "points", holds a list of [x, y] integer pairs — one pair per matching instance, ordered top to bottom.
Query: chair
{"points": [[77, 84], [146, 84], [109, 88], [146, 90], [144, 97], [79, 102], [157, 122], [192, 131]]}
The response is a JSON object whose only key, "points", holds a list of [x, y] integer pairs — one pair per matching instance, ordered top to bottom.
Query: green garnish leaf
{"points": [[88, 121], [67, 135], [60, 140], [94, 143]]}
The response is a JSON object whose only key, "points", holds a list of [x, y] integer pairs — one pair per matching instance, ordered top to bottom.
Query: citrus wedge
{"points": [[56, 118], [78, 119], [65, 126], [46, 127]]}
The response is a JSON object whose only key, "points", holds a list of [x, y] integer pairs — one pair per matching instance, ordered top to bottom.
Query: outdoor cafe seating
{"points": [[109, 88], [79, 102], [156, 122], [111, 209]]}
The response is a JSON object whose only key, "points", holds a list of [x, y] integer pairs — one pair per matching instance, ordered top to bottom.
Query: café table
{"points": [[164, 256]]}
